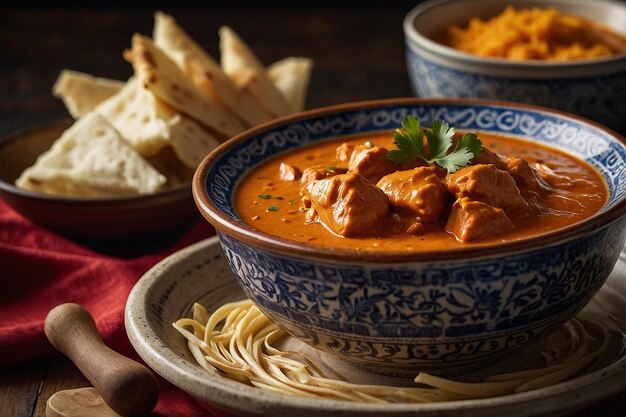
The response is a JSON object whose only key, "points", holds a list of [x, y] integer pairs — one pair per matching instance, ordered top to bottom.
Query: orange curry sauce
{"points": [[273, 206]]}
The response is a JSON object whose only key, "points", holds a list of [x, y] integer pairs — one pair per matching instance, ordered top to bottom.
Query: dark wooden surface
{"points": [[357, 48]]}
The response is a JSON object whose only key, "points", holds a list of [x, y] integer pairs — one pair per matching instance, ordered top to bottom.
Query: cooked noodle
{"points": [[236, 342]]}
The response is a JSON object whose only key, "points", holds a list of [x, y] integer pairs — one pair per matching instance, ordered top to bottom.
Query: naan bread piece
{"points": [[239, 62], [205, 72], [159, 74], [291, 76], [82, 92], [140, 117], [151, 125], [191, 142], [91, 159], [168, 164]]}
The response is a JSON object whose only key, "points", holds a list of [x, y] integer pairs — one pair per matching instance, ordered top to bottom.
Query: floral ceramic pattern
{"points": [[577, 96], [588, 142], [456, 309], [430, 313]]}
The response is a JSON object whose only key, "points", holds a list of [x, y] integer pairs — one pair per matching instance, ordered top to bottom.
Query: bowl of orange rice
{"points": [[566, 54]]}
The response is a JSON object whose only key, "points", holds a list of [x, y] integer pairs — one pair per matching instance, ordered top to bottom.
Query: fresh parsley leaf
{"points": [[412, 127], [439, 138], [471, 142], [410, 143], [467, 147], [455, 160], [264, 196]]}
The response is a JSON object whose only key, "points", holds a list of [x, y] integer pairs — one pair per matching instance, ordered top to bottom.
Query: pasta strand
{"points": [[237, 341]]}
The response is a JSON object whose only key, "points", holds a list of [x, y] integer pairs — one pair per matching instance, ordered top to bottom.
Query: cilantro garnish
{"points": [[410, 143], [331, 168], [264, 196], [272, 208]]}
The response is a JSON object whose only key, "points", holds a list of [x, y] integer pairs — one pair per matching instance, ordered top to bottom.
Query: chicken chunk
{"points": [[343, 153], [487, 157], [371, 162], [288, 172], [319, 172], [526, 177], [490, 185], [417, 192], [347, 204], [471, 220]]}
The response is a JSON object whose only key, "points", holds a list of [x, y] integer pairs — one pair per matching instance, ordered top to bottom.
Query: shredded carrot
{"points": [[535, 34]]}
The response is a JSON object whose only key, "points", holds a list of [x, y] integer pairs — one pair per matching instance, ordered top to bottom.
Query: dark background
{"points": [[357, 46]]}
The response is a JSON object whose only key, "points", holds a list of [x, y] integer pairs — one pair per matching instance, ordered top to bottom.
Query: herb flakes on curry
{"points": [[421, 189]]}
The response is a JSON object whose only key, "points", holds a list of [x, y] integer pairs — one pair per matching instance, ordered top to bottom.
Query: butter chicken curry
{"points": [[436, 190]]}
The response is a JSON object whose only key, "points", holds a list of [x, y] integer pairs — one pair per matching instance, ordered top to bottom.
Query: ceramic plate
{"points": [[200, 273]]}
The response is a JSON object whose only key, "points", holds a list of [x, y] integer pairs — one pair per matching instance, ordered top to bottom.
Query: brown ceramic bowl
{"points": [[95, 221]]}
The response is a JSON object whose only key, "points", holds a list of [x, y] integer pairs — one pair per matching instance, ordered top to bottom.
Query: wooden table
{"points": [[358, 51]]}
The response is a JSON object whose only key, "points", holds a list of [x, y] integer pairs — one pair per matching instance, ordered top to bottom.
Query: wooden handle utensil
{"points": [[128, 387], [80, 402]]}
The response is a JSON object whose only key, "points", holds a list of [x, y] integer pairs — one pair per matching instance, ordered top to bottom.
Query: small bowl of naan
{"points": [[567, 54], [122, 166]]}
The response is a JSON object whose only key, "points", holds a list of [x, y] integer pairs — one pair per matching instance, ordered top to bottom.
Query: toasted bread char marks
{"points": [[242, 65], [205, 71], [291, 76], [166, 80], [71, 87], [141, 118], [150, 125], [158, 125], [190, 141], [91, 159]]}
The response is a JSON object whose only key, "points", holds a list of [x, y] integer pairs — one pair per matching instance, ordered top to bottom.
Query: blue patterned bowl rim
{"points": [[588, 66], [215, 197]]}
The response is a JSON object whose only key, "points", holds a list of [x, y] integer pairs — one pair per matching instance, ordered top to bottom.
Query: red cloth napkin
{"points": [[40, 270]]}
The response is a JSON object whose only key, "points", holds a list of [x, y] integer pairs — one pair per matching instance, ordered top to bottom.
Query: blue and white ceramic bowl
{"points": [[594, 88], [398, 311]]}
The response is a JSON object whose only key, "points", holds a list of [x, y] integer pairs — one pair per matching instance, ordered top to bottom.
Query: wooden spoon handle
{"points": [[128, 387]]}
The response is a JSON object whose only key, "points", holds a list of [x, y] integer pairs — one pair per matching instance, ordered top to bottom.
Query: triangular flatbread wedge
{"points": [[239, 62], [203, 69], [159, 74], [291, 76], [82, 92], [140, 117], [150, 125], [190, 141], [91, 159], [167, 163]]}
